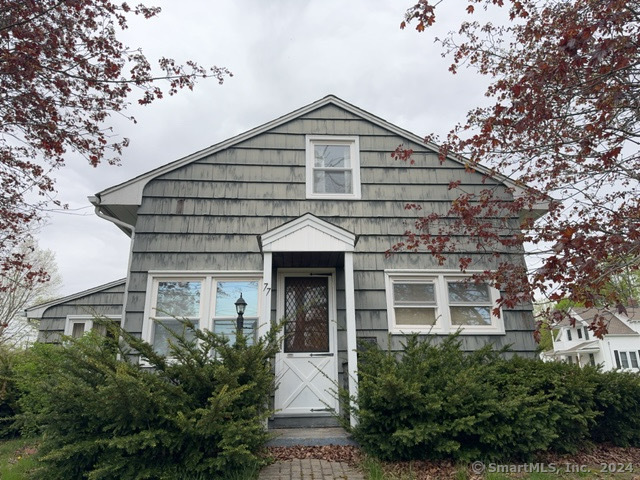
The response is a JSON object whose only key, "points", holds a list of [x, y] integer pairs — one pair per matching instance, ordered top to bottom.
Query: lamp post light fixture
{"points": [[240, 307]]}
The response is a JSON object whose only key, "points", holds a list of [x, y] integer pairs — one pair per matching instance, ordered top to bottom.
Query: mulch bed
{"points": [[432, 470]]}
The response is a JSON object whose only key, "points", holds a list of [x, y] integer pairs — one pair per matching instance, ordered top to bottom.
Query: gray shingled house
{"points": [[295, 215]]}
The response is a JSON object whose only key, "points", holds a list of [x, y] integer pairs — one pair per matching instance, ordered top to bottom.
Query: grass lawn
{"points": [[16, 458]]}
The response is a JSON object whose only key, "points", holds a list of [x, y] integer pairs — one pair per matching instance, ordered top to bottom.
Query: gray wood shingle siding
{"points": [[206, 216], [106, 302]]}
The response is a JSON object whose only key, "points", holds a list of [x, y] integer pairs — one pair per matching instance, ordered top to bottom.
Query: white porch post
{"points": [[264, 323], [352, 356]]}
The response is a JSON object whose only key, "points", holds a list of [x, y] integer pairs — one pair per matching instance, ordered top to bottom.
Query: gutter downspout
{"points": [[95, 200]]}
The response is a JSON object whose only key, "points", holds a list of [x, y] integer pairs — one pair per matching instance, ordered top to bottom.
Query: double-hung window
{"points": [[333, 167], [176, 300], [206, 300], [423, 302], [224, 313], [78, 325], [626, 359]]}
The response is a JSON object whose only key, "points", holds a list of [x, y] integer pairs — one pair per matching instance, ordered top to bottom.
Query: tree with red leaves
{"points": [[63, 73], [564, 120]]}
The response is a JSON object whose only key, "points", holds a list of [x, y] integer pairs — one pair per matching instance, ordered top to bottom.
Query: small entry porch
{"points": [[308, 281]]}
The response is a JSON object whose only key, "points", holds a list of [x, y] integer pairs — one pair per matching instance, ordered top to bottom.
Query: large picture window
{"points": [[333, 167], [208, 301], [423, 302]]}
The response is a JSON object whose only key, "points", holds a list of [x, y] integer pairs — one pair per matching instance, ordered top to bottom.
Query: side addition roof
{"points": [[37, 311]]}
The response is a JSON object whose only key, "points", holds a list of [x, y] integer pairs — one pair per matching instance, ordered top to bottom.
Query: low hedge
{"points": [[435, 401], [101, 416]]}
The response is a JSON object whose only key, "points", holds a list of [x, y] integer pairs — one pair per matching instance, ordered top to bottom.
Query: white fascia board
{"points": [[130, 192], [37, 311]]}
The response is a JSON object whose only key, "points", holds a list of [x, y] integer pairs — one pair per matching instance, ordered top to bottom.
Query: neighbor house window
{"points": [[333, 167], [208, 301], [440, 303], [78, 325], [569, 334], [626, 359]]}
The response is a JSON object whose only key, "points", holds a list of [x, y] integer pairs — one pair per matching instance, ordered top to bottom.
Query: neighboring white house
{"points": [[618, 349]]}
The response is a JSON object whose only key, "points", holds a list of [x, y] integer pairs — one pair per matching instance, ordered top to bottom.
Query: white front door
{"points": [[307, 365]]}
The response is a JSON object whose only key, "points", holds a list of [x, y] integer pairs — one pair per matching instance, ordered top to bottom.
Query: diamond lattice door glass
{"points": [[307, 314]]}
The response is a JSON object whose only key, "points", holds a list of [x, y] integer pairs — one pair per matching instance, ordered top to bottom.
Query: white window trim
{"points": [[354, 143], [207, 298], [71, 320], [443, 321]]}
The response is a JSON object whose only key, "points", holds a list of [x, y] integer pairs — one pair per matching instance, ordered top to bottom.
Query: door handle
{"points": [[321, 354]]}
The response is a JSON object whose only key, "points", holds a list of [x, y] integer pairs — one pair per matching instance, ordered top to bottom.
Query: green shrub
{"points": [[9, 393], [617, 397], [435, 401], [101, 417]]}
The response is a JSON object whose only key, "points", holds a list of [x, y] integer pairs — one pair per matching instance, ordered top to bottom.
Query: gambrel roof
{"points": [[119, 203]]}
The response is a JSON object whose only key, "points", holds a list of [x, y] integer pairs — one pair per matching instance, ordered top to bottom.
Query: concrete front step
{"points": [[309, 437]]}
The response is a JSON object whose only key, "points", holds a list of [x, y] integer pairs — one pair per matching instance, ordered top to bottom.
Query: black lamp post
{"points": [[240, 306]]}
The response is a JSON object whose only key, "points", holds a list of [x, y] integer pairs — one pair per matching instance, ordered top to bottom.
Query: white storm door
{"points": [[307, 365]]}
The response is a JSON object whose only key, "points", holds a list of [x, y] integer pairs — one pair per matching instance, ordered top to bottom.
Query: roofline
{"points": [[136, 185], [37, 311]]}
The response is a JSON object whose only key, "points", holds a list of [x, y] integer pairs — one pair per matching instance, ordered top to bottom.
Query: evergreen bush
{"points": [[9, 393], [617, 397], [435, 401], [103, 416]]}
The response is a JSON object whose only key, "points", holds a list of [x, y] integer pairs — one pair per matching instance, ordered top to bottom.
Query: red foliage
{"points": [[64, 72], [564, 121]]}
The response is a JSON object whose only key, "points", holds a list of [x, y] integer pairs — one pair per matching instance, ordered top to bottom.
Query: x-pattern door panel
{"points": [[306, 368]]}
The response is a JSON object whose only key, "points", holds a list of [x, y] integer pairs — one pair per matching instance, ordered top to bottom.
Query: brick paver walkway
{"points": [[309, 469]]}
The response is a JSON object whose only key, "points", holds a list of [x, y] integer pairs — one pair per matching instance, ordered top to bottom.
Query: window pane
{"points": [[332, 156], [332, 182], [227, 292], [464, 292], [404, 293], [179, 299], [471, 315], [415, 316], [100, 329], [228, 329], [77, 330], [579, 333], [162, 335], [634, 359], [624, 360]]}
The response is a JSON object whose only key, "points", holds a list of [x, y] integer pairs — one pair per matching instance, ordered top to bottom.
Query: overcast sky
{"points": [[284, 54]]}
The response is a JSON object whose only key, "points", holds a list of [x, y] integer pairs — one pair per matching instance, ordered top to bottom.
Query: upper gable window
{"points": [[333, 167]]}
